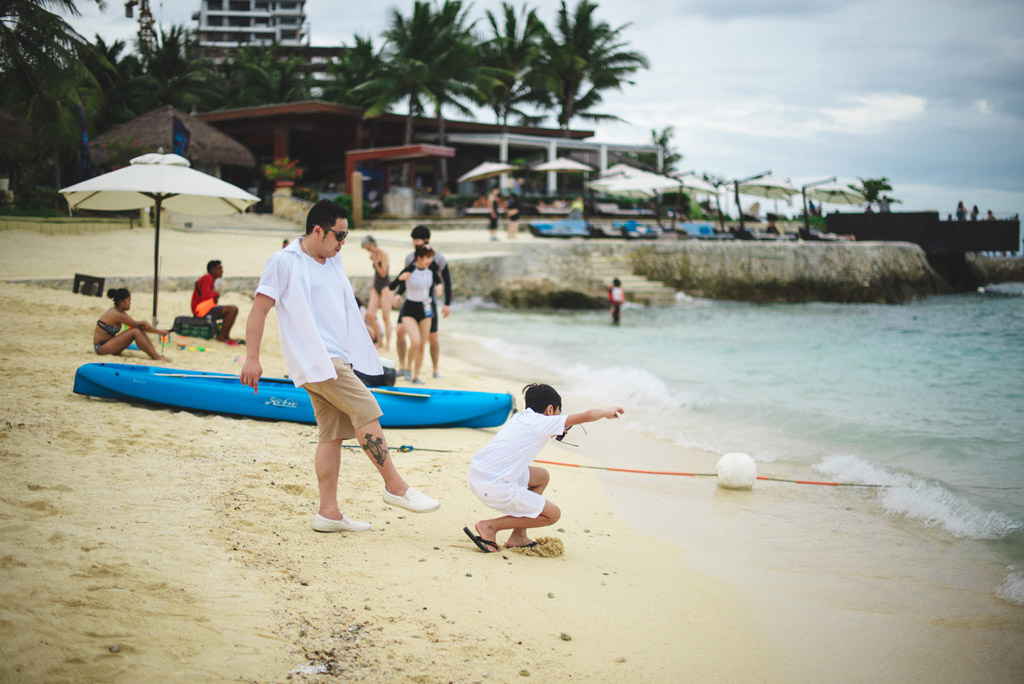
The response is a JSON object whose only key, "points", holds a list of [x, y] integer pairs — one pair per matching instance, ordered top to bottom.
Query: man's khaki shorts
{"points": [[341, 405]]}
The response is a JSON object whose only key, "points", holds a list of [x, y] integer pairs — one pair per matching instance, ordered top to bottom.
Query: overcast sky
{"points": [[929, 93]]}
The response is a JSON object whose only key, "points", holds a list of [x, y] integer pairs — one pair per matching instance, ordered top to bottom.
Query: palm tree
{"points": [[514, 48], [586, 57], [431, 61], [358, 64], [40, 71], [174, 72], [405, 75], [262, 76], [120, 93], [873, 189]]}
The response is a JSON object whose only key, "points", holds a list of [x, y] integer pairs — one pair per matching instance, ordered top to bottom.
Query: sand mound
{"points": [[547, 547]]}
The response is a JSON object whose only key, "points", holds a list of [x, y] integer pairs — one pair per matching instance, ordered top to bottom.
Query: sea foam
{"points": [[927, 502], [1012, 588]]}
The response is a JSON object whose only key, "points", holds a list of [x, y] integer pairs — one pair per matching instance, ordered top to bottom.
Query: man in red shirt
{"points": [[204, 302]]}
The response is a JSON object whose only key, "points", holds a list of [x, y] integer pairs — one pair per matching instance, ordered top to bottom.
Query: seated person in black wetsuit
{"points": [[418, 281], [380, 296], [107, 337]]}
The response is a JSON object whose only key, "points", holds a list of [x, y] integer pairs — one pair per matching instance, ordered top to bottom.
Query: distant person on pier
{"points": [[961, 212], [974, 213], [991, 216]]}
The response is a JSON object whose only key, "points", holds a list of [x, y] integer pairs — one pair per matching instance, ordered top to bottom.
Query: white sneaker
{"points": [[414, 501], [322, 524]]}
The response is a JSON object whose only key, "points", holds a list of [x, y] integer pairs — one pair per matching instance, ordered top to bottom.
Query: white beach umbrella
{"points": [[562, 165], [485, 170], [159, 180], [692, 182], [769, 188], [836, 194]]}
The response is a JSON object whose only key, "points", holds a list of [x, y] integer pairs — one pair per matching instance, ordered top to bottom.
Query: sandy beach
{"points": [[143, 544]]}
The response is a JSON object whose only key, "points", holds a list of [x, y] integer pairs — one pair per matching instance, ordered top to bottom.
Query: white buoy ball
{"points": [[736, 471]]}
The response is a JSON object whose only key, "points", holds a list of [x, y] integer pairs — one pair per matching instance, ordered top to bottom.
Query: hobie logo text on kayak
{"points": [[282, 403]]}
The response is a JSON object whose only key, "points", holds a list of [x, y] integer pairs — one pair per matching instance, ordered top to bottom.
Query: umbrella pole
{"points": [[739, 207], [807, 219], [156, 261]]}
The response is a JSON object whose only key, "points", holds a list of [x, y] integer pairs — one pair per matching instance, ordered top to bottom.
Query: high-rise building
{"points": [[234, 23]]}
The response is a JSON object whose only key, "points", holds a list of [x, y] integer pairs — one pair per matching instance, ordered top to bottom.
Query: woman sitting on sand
{"points": [[107, 338]]}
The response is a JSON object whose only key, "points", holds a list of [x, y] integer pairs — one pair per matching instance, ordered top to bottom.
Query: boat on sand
{"points": [[280, 399]]}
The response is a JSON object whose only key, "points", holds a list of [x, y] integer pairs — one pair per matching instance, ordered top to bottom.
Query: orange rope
{"points": [[669, 472]]}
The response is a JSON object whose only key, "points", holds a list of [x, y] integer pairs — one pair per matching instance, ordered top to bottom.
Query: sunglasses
{"points": [[339, 234]]}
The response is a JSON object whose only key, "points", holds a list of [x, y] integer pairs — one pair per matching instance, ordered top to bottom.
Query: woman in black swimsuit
{"points": [[380, 296], [107, 337]]}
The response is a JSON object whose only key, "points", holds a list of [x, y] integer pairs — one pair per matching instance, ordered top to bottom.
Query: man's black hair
{"points": [[325, 214], [421, 233], [212, 264], [539, 397]]}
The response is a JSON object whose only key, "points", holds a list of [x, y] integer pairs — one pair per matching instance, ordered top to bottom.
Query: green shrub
{"points": [[306, 193], [458, 200], [346, 202]]}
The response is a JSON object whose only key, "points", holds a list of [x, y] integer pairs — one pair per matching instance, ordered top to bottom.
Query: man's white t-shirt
{"points": [[329, 310], [318, 317], [500, 471]]}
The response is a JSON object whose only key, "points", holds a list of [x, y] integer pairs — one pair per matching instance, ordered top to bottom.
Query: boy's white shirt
{"points": [[305, 354], [510, 452]]}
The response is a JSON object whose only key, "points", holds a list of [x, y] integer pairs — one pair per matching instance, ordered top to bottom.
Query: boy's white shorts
{"points": [[510, 498]]}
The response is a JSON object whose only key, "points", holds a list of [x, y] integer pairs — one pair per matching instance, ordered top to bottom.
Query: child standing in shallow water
{"points": [[501, 474]]}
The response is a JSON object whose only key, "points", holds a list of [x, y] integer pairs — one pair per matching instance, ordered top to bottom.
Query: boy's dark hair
{"points": [[325, 214], [421, 233], [423, 250], [210, 265], [616, 282], [118, 294], [539, 397]]}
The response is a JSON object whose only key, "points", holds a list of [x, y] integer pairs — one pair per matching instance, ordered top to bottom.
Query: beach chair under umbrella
{"points": [[160, 181]]}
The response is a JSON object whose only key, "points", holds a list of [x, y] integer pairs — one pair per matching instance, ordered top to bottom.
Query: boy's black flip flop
{"points": [[480, 542]]}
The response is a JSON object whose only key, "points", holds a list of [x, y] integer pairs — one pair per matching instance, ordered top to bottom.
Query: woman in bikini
{"points": [[380, 296], [107, 337]]}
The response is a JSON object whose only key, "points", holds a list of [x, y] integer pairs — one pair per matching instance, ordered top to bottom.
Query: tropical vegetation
{"points": [[432, 62]]}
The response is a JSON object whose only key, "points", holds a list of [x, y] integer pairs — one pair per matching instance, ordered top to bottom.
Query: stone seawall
{"points": [[560, 274]]}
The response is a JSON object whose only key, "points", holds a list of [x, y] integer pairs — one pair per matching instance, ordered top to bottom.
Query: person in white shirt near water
{"points": [[418, 280], [325, 340], [501, 474]]}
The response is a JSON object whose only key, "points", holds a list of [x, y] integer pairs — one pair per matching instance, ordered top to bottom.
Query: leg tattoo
{"points": [[376, 449]]}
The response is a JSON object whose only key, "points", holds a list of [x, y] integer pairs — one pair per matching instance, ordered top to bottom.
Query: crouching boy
{"points": [[501, 474]]}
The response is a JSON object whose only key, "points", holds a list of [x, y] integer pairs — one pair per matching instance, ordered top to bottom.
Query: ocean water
{"points": [[925, 398]]}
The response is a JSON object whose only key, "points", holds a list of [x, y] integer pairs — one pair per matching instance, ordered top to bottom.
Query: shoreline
{"points": [[124, 524], [144, 540]]}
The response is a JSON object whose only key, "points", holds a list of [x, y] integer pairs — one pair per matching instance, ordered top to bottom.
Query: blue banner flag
{"points": [[182, 137], [86, 158]]}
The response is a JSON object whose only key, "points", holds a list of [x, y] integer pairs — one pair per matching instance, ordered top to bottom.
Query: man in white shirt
{"points": [[324, 339]]}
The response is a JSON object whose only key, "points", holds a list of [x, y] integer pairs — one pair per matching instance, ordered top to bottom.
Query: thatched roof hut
{"points": [[12, 129], [155, 129]]}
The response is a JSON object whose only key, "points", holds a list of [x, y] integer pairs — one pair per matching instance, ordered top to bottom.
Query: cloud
{"points": [[869, 114]]}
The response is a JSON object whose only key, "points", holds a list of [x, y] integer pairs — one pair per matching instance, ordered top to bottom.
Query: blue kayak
{"points": [[279, 399]]}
